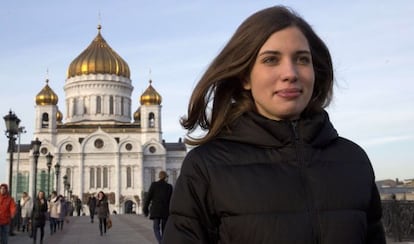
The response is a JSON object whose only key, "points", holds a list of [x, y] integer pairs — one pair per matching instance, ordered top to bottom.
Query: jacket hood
{"points": [[253, 128]]}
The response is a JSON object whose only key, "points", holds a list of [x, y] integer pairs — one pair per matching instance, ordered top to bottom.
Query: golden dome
{"points": [[98, 58], [46, 96], [150, 96], [137, 115], [59, 116]]}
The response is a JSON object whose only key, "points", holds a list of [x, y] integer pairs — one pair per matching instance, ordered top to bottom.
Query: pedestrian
{"points": [[270, 167], [159, 195], [26, 204], [78, 206], [92, 206], [102, 207], [54, 209], [7, 212], [63, 212], [18, 216], [39, 216]]}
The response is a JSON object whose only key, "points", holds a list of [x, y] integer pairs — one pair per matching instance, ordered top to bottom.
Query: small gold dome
{"points": [[98, 58], [46, 96], [150, 96], [137, 115], [59, 116]]}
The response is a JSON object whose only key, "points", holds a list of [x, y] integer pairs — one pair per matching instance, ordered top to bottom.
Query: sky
{"points": [[173, 42]]}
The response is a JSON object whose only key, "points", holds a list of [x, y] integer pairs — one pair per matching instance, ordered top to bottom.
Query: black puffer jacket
{"points": [[273, 182]]}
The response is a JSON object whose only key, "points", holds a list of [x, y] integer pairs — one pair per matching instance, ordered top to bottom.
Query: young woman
{"points": [[271, 168], [102, 211], [39, 216]]}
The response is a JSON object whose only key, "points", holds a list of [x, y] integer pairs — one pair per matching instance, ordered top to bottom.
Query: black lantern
{"points": [[12, 129], [35, 147], [49, 158], [57, 171]]}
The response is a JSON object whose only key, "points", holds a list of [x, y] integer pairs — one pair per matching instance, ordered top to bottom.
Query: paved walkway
{"points": [[127, 228]]}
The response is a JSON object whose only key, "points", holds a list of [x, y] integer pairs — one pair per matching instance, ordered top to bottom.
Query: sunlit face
{"points": [[282, 78], [3, 190]]}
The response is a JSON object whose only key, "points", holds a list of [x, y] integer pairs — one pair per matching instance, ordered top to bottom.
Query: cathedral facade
{"points": [[100, 143]]}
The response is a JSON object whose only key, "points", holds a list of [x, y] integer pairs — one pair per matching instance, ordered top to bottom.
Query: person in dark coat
{"points": [[270, 167], [158, 197], [92, 206], [102, 207], [39, 216]]}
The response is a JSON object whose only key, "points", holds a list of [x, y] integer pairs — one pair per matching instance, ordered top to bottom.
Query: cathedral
{"points": [[103, 142]]}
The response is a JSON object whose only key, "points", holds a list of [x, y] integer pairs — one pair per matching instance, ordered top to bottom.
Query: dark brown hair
{"points": [[221, 86]]}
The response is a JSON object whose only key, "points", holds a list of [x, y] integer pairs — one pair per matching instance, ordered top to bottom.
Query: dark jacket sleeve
{"points": [[191, 219], [376, 234]]}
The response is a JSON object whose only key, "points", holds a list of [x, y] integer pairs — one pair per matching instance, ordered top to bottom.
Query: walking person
{"points": [[270, 167], [158, 197], [26, 204], [78, 206], [92, 206], [102, 207], [54, 209], [7, 212], [63, 212], [39, 216]]}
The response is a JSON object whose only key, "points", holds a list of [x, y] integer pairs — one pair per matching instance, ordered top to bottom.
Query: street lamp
{"points": [[12, 129], [35, 146], [49, 158], [57, 171], [65, 182]]}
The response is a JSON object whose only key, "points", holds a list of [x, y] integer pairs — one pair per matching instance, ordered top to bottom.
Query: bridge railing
{"points": [[398, 219]]}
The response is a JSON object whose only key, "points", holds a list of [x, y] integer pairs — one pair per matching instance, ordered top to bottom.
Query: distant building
{"points": [[100, 144], [403, 190]]}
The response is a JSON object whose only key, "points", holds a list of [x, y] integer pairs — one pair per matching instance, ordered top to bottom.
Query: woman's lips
{"points": [[289, 93]]}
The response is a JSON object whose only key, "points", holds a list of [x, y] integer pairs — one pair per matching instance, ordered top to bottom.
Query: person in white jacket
{"points": [[26, 205], [54, 211]]}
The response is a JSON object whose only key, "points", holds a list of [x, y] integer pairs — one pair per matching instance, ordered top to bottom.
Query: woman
{"points": [[271, 168], [26, 204], [102, 211], [54, 212], [63, 212], [39, 216]]}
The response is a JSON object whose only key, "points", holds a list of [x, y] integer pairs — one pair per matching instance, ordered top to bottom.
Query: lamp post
{"points": [[12, 129], [35, 146], [49, 158], [57, 171], [65, 182]]}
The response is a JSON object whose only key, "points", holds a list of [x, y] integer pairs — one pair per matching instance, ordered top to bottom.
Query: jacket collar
{"points": [[253, 128]]}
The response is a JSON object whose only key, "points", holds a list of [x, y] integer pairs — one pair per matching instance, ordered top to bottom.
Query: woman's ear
{"points": [[246, 84]]}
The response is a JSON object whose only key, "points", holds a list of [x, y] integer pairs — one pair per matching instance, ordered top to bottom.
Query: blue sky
{"points": [[371, 43]]}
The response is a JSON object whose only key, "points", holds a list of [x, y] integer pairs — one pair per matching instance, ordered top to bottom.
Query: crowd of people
{"points": [[30, 215]]}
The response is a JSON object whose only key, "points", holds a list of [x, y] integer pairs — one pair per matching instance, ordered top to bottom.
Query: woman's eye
{"points": [[270, 60], [304, 60]]}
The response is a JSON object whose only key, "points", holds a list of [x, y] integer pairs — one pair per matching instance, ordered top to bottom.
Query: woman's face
{"points": [[282, 78], [41, 195]]}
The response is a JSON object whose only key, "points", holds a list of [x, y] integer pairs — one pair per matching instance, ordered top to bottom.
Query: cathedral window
{"points": [[98, 105], [111, 105], [122, 106], [74, 107], [45, 120], [151, 120], [98, 143], [128, 146], [68, 147], [68, 174], [153, 174], [98, 177], [105, 177], [128, 177], [92, 178]]}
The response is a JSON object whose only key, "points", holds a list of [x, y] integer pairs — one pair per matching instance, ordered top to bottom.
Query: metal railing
{"points": [[398, 219]]}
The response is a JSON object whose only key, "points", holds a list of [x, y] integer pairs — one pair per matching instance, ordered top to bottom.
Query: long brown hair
{"points": [[221, 86]]}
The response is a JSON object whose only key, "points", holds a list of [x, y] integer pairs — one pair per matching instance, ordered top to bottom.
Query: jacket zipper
{"points": [[308, 194]]}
